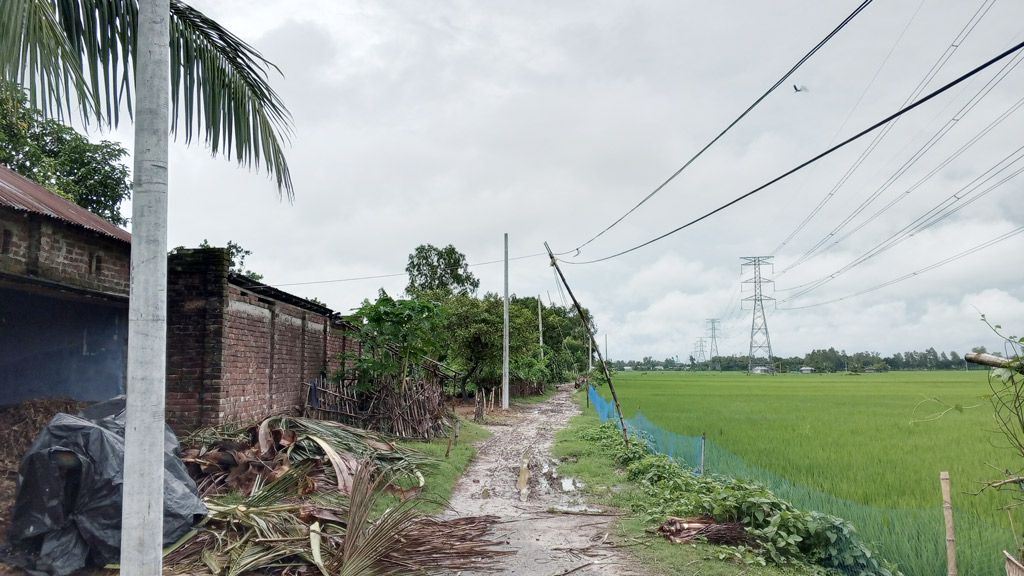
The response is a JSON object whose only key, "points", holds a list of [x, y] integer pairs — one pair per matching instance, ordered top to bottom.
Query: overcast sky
{"points": [[456, 122]]}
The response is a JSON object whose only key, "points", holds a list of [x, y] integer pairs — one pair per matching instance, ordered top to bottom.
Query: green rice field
{"points": [[865, 445]]}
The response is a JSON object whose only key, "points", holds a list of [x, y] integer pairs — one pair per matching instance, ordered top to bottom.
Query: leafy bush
{"points": [[784, 534]]}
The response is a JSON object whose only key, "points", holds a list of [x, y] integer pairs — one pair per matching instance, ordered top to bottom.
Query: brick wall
{"points": [[38, 246], [197, 283], [237, 353]]}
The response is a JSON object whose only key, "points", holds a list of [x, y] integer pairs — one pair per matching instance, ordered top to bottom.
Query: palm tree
{"points": [[84, 53]]}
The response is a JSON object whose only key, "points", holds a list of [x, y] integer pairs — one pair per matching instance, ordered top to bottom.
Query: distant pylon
{"points": [[760, 343], [700, 351], [716, 363]]}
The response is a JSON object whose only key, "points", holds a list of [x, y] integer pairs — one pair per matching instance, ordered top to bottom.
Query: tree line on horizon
{"points": [[821, 360]]}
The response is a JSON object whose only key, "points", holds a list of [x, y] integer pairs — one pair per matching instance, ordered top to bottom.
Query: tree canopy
{"points": [[59, 158], [439, 271]]}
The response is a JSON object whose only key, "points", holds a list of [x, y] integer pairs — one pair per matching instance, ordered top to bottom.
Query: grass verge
{"points": [[441, 478], [606, 484]]}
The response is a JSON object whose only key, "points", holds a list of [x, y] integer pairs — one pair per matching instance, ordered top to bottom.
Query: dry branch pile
{"points": [[20, 423], [295, 495], [703, 529]]}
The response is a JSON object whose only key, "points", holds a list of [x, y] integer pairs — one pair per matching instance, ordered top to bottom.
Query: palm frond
{"points": [[36, 53], [81, 53], [219, 84]]}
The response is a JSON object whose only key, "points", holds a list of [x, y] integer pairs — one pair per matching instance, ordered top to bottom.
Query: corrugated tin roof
{"points": [[20, 193]]}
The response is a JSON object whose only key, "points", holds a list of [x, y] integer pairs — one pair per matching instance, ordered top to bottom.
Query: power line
{"points": [[936, 67], [778, 83], [860, 134], [933, 216], [818, 248], [916, 272], [397, 274]]}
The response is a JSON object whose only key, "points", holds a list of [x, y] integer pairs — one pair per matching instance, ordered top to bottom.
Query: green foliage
{"points": [[80, 55], [55, 156], [237, 254], [439, 273], [394, 335], [783, 533]]}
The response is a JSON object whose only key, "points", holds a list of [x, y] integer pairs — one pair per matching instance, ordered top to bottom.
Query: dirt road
{"points": [[547, 543]]}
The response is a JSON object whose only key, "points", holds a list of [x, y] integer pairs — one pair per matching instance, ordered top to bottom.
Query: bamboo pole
{"points": [[586, 325], [947, 511]]}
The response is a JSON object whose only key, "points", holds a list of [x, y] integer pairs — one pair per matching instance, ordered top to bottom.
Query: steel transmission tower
{"points": [[760, 343], [713, 352]]}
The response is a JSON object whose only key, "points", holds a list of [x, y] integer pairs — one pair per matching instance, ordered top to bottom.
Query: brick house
{"points": [[64, 276], [236, 349]]}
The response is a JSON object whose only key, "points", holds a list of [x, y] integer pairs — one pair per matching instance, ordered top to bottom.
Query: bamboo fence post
{"points": [[947, 511]]}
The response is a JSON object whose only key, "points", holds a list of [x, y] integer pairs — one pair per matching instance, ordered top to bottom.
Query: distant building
{"points": [[627, 367], [761, 370], [807, 370]]}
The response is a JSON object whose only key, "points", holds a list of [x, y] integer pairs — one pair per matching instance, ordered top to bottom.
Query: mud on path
{"points": [[547, 543]]}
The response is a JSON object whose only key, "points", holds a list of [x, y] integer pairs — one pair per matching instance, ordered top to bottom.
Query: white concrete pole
{"points": [[504, 358], [142, 511]]}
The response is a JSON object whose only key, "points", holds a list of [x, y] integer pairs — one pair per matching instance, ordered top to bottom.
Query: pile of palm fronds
{"points": [[412, 407], [237, 458], [295, 495], [704, 530]]}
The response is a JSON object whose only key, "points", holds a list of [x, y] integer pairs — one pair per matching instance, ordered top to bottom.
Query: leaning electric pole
{"points": [[760, 344], [716, 364]]}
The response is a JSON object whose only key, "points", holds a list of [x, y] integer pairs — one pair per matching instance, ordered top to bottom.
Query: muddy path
{"points": [[547, 542]]}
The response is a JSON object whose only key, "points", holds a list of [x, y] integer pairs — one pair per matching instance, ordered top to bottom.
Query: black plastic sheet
{"points": [[67, 511]]}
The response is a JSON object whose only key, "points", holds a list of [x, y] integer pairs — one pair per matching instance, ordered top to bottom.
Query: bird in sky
{"points": [[799, 88]]}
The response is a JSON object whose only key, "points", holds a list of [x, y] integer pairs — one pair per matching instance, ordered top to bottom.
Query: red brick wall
{"points": [[46, 248], [235, 355]]}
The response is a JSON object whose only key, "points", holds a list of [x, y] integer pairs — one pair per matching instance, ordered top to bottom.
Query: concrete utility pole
{"points": [[590, 335], [759, 340], [504, 346], [142, 510]]}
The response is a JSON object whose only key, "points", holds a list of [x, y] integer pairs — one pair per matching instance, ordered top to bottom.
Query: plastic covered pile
{"points": [[67, 512]]}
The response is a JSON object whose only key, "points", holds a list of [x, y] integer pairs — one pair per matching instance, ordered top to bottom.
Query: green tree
{"points": [[55, 156], [441, 272], [395, 334]]}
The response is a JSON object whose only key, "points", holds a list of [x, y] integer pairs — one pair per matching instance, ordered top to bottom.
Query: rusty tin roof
{"points": [[20, 193]]}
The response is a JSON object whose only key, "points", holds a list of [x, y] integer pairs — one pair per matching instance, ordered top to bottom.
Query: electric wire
{"points": [[928, 77], [778, 83], [821, 155], [934, 171], [933, 216], [821, 247], [920, 271], [397, 274]]}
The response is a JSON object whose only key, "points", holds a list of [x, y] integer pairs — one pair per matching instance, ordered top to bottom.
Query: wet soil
{"points": [[552, 531]]}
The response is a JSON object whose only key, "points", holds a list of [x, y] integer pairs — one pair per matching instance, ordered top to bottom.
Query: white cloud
{"points": [[421, 122]]}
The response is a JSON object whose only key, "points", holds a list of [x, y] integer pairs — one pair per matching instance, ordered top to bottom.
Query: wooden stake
{"points": [[586, 325], [947, 511]]}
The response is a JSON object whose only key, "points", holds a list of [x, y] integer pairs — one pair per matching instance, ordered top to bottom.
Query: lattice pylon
{"points": [[760, 342]]}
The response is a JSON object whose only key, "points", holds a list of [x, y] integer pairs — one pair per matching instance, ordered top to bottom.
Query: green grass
{"points": [[549, 391], [857, 437], [441, 478], [605, 484]]}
